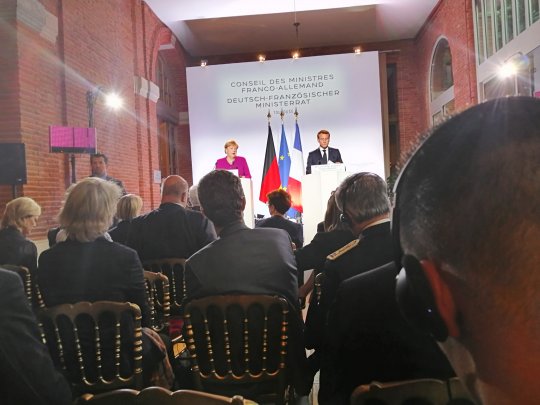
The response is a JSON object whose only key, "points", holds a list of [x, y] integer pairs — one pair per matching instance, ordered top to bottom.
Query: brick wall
{"points": [[98, 42], [103, 42]]}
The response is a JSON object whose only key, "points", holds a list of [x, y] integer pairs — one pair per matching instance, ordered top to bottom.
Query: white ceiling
{"points": [[224, 27]]}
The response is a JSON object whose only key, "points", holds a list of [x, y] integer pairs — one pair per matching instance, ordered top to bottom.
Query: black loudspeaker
{"points": [[12, 163]]}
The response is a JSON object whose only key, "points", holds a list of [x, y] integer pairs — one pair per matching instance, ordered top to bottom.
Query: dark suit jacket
{"points": [[315, 158], [294, 230], [170, 231], [120, 233], [16, 249], [374, 250], [313, 255], [252, 261], [73, 271], [367, 340], [27, 373]]}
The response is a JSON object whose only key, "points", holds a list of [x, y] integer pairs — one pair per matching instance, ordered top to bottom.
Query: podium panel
{"points": [[247, 185], [316, 189]]}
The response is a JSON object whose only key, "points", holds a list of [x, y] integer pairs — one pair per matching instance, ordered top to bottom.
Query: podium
{"points": [[247, 186], [316, 189]]}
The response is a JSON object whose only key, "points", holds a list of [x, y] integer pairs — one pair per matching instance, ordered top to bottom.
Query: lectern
{"points": [[316, 189]]}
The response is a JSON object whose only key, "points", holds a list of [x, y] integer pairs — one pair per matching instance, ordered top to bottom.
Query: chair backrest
{"points": [[173, 268], [317, 287], [31, 289], [159, 300], [238, 345], [98, 346], [411, 392], [458, 393], [162, 396]]}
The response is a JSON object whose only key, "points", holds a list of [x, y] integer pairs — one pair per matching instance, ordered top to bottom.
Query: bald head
{"points": [[175, 190]]}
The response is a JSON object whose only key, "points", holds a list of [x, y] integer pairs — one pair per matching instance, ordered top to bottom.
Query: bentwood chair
{"points": [[173, 268], [30, 288], [159, 300], [238, 345], [97, 346], [411, 392], [162, 396]]}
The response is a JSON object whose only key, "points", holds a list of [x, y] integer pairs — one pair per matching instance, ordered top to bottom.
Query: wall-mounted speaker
{"points": [[12, 163]]}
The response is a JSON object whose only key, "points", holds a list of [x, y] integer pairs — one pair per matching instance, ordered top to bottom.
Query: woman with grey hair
{"points": [[20, 217], [87, 266]]}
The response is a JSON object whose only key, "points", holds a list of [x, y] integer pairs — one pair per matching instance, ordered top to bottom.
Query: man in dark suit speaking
{"points": [[323, 154]]}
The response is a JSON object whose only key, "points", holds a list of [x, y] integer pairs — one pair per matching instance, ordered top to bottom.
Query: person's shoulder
{"points": [[344, 250], [7, 276], [381, 276]]}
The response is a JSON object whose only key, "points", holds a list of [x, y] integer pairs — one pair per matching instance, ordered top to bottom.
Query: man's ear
{"points": [[184, 197], [243, 204], [443, 297]]}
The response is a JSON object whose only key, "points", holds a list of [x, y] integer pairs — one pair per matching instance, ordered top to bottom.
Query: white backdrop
{"points": [[340, 93]]}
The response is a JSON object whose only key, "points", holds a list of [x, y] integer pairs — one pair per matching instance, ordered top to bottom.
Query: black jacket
{"points": [[170, 231], [368, 340]]}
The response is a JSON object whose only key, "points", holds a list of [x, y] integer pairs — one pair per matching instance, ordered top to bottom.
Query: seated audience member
{"points": [[193, 198], [363, 201], [279, 202], [129, 206], [20, 216], [468, 221], [171, 230], [335, 234], [245, 261], [89, 267], [368, 340], [27, 372]]}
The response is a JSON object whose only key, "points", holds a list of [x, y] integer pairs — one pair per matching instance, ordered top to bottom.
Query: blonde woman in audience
{"points": [[129, 206], [20, 217], [87, 266]]}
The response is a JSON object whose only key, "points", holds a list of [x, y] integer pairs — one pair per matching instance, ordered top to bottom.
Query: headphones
{"points": [[347, 183], [413, 292]]}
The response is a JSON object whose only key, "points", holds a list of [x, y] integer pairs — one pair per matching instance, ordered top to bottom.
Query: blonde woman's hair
{"points": [[230, 142], [128, 207], [19, 209], [89, 209]]}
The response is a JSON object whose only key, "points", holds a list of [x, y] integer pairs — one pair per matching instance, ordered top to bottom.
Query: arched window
{"points": [[441, 82]]}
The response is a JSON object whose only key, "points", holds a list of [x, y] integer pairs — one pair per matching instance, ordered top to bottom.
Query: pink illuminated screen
{"points": [[72, 139]]}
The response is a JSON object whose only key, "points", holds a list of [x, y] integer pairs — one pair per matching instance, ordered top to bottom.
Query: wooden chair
{"points": [[173, 268], [31, 289], [159, 300], [238, 345], [98, 346], [410, 392], [162, 396]]}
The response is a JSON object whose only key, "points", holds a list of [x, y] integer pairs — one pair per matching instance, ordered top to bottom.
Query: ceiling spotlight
{"points": [[357, 51], [296, 55], [262, 58], [204, 62]]}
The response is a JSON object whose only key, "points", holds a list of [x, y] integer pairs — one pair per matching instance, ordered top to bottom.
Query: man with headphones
{"points": [[363, 201], [365, 208], [467, 231]]}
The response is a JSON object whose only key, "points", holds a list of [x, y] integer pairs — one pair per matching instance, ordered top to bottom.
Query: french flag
{"points": [[297, 170]]}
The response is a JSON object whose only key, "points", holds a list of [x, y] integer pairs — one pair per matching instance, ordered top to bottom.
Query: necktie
{"points": [[324, 157]]}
